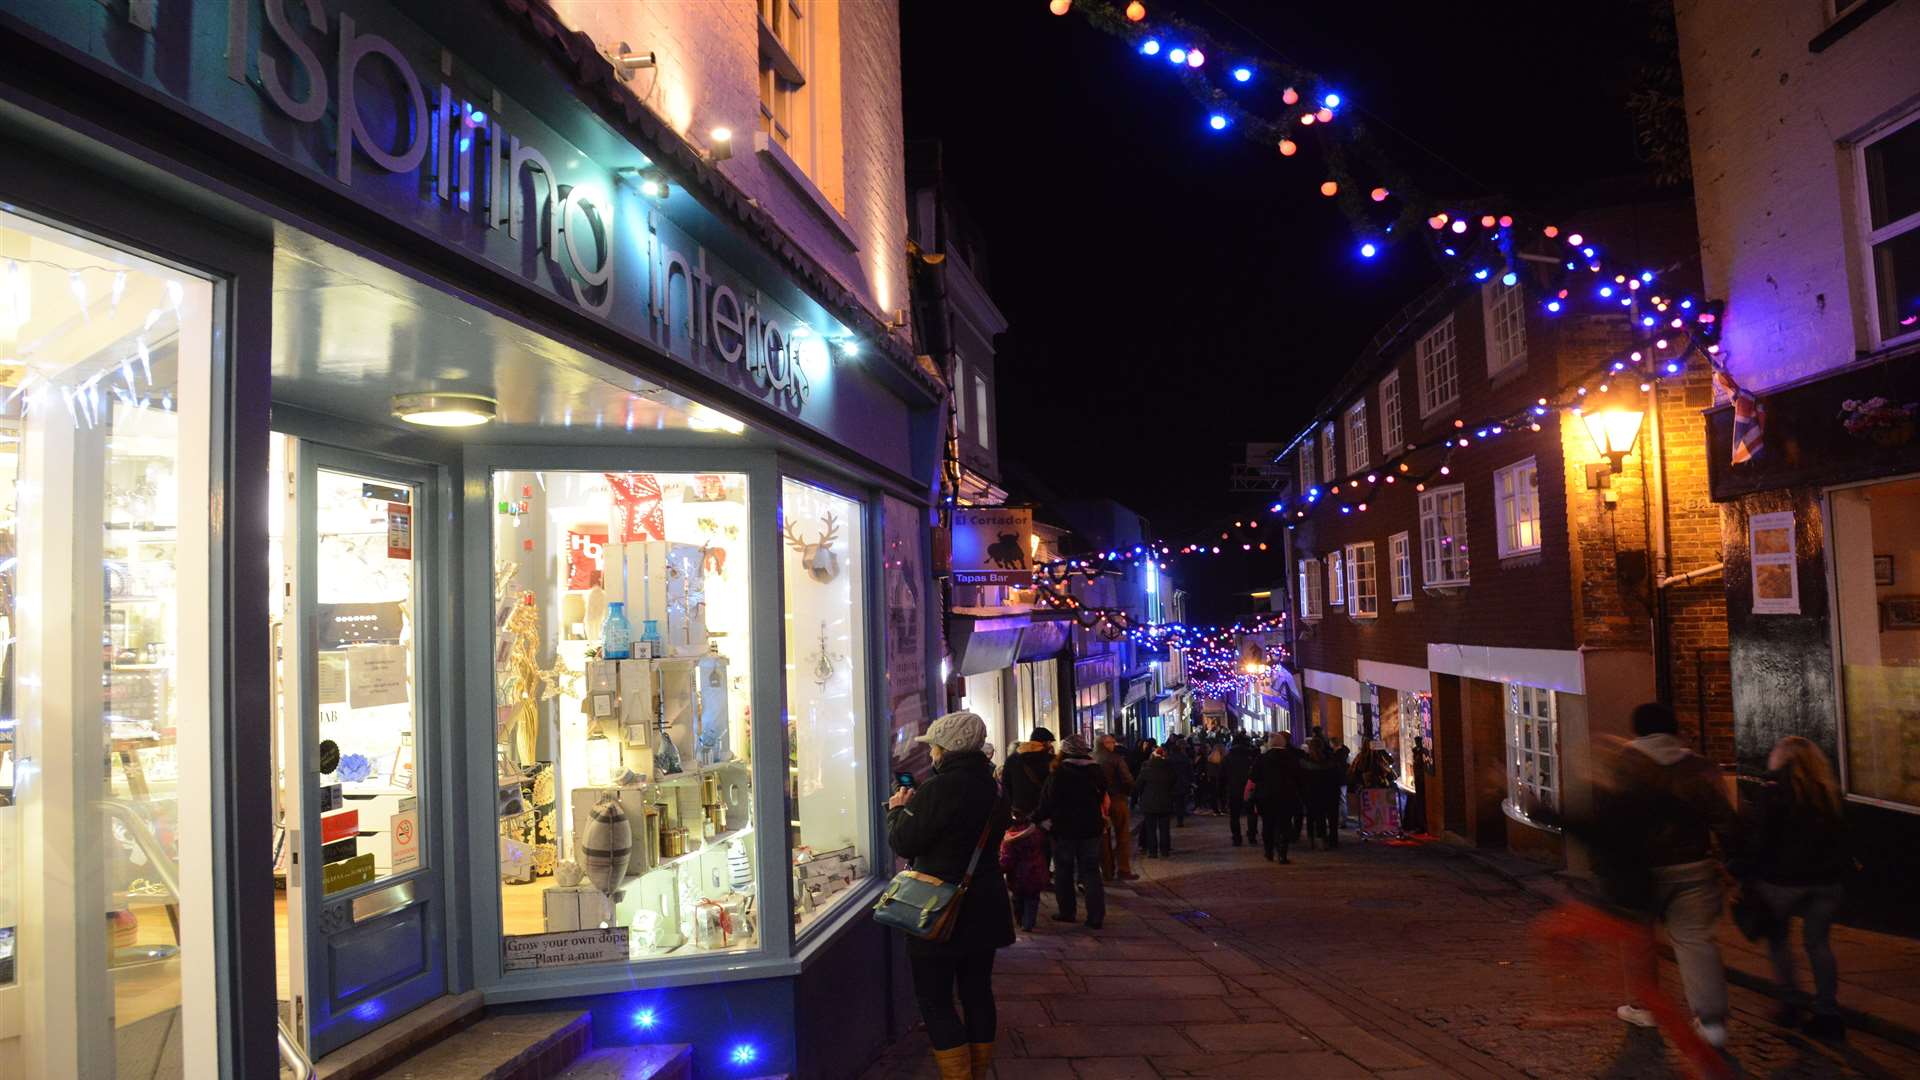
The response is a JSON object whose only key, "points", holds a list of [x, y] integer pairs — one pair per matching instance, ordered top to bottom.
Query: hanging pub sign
{"points": [[993, 545]]}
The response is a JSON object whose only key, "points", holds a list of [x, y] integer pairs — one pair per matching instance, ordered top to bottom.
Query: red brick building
{"points": [[1509, 596]]}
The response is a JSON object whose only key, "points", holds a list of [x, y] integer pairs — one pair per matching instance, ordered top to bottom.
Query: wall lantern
{"points": [[1614, 431]]}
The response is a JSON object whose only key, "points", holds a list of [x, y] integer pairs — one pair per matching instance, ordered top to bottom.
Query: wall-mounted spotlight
{"points": [[627, 60], [720, 144], [650, 182]]}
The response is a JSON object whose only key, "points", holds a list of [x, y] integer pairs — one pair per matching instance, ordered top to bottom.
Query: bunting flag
{"points": [[1749, 419]]}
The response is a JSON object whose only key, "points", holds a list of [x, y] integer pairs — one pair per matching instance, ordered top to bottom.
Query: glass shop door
{"points": [[359, 640]]}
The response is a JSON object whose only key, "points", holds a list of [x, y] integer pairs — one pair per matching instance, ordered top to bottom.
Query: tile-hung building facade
{"points": [[1812, 235], [423, 358], [1499, 597]]}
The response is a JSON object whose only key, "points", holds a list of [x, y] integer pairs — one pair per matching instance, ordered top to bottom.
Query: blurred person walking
{"points": [[1236, 772], [1276, 781], [1157, 789], [1070, 810], [1797, 858], [1116, 861]]}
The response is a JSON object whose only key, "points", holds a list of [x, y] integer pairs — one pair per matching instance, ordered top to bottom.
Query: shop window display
{"points": [[103, 435], [1876, 564], [623, 681], [829, 798]]}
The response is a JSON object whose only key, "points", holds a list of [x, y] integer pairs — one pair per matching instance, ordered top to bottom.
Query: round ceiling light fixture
{"points": [[445, 410]]}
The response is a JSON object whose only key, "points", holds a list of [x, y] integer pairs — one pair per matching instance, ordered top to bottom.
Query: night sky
{"points": [[1174, 292]]}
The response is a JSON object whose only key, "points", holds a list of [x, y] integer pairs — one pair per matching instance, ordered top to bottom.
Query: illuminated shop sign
{"points": [[352, 91]]}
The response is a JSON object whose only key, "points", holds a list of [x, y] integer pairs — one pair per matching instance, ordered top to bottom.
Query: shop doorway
{"points": [[359, 901]]}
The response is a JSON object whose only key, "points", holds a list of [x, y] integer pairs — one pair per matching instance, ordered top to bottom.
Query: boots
{"points": [[982, 1060], [955, 1063]]}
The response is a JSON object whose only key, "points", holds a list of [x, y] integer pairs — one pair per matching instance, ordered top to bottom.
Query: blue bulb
{"points": [[1150, 47], [1177, 56], [1241, 74], [1331, 101], [479, 118], [1217, 122], [1368, 251], [1450, 251], [1587, 251], [1480, 274], [1646, 275], [1509, 278], [1606, 290], [1686, 305], [1553, 306], [1646, 320], [1673, 368], [645, 1019], [744, 1054]]}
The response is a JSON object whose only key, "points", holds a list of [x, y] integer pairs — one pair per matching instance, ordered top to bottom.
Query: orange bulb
{"points": [[1060, 7], [1136, 11], [1290, 96], [1325, 116], [1307, 120], [1288, 148], [1330, 189], [1379, 194], [1438, 221], [1486, 221], [1550, 232]]}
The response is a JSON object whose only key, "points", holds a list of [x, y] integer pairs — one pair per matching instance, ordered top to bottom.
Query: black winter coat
{"points": [[1239, 768], [1026, 774], [1182, 774], [1277, 778], [1155, 790], [1070, 803], [937, 832], [1793, 844]]}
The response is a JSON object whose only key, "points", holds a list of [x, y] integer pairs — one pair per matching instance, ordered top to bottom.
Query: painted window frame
{"points": [[1870, 237], [1503, 311], [1437, 366], [982, 407], [1393, 434], [1359, 449], [1329, 458], [1304, 462], [1510, 501], [1432, 564], [1400, 566], [1336, 579], [1363, 580], [1312, 600], [1528, 731]]}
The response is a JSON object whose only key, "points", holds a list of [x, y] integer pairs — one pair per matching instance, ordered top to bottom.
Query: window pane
{"points": [[1893, 176], [1896, 279], [104, 466], [1879, 628], [655, 751], [829, 797]]}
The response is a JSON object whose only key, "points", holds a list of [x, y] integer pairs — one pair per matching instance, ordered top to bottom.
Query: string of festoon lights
{"points": [[1245, 94]]}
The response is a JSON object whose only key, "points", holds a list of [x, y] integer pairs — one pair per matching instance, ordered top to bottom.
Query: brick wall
{"points": [[707, 76], [1769, 121]]}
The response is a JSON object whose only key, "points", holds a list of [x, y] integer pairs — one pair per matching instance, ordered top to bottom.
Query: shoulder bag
{"points": [[923, 905]]}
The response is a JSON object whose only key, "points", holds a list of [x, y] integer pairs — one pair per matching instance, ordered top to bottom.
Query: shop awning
{"points": [[1043, 640], [981, 643], [1137, 689], [1167, 704]]}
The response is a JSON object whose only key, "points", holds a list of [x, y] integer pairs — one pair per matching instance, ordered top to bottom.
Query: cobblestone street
{"points": [[1372, 960]]}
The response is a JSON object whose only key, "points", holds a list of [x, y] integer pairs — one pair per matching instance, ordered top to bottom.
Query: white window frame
{"points": [[1871, 237], [1503, 309], [1437, 357], [960, 394], [982, 406], [1393, 436], [1358, 449], [1329, 461], [1307, 480], [1516, 508], [1759, 523], [1400, 565], [1435, 570], [1336, 579], [1363, 581], [1312, 600], [1531, 738]]}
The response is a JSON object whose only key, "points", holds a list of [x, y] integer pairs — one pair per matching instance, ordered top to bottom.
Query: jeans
{"points": [[1236, 805], [1155, 836], [1079, 858], [1690, 899], [1816, 905], [1026, 907], [935, 980]]}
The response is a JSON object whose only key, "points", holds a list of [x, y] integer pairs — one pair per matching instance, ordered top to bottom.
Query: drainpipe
{"points": [[1656, 473]]}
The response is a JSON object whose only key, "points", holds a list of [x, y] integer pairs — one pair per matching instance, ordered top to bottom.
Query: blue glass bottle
{"points": [[616, 635]]}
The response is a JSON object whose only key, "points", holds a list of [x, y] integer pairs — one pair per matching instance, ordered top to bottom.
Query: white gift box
{"points": [[580, 907]]}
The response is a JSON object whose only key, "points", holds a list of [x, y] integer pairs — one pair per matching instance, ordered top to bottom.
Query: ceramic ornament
{"points": [[817, 555], [607, 846], [568, 874]]}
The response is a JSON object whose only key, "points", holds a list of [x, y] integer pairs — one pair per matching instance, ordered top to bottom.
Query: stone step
{"points": [[510, 1046], [379, 1050], [664, 1062]]}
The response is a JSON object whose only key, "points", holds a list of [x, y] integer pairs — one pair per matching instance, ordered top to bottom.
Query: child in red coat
{"points": [[1023, 859]]}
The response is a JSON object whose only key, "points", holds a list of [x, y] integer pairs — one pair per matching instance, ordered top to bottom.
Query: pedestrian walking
{"points": [[1136, 757], [1182, 762], [1026, 770], [1237, 772], [1323, 775], [1276, 782], [1158, 791], [1216, 800], [1070, 808], [1414, 821], [939, 827], [1117, 859], [1023, 862], [1796, 862]]}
